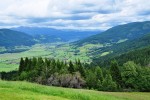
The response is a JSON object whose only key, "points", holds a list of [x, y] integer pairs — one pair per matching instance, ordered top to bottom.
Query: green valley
{"points": [[59, 50], [75, 50], [114, 60]]}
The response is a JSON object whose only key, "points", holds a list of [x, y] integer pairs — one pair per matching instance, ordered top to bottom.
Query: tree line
{"points": [[128, 77]]}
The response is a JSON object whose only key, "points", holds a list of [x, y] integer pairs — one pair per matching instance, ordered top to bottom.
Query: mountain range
{"points": [[128, 31], [53, 35], [9, 38], [117, 41]]}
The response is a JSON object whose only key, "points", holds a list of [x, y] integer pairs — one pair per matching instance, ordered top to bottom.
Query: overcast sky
{"points": [[72, 14]]}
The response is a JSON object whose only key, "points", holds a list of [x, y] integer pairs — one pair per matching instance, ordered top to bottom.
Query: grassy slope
{"points": [[24, 90]]}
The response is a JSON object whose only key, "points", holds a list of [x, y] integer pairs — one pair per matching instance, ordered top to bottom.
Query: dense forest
{"points": [[125, 46], [135, 50], [139, 56], [128, 77]]}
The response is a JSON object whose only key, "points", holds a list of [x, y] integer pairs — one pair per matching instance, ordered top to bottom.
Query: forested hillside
{"points": [[122, 32], [10, 38], [117, 41], [121, 48], [140, 56]]}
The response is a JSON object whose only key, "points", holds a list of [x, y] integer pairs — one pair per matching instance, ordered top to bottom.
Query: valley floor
{"points": [[62, 51], [10, 90]]}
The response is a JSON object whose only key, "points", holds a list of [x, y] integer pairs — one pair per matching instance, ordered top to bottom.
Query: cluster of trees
{"points": [[49, 72], [128, 77]]}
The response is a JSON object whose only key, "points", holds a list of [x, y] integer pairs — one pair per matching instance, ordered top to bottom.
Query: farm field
{"points": [[62, 51], [24, 90]]}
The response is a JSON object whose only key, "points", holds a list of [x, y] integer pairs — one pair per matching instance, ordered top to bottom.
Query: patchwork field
{"points": [[62, 51], [24, 91]]}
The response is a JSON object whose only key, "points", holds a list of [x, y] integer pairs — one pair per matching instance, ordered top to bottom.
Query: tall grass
{"points": [[24, 90]]}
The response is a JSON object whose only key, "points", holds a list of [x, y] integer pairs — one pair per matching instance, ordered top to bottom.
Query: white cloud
{"points": [[72, 14]]}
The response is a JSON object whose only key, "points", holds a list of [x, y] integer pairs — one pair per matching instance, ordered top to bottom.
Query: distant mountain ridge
{"points": [[127, 31], [55, 34], [31, 35], [10, 38], [118, 41], [108, 45]]}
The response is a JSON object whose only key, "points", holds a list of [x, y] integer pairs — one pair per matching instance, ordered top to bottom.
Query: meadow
{"points": [[59, 50], [62, 51], [16, 90]]}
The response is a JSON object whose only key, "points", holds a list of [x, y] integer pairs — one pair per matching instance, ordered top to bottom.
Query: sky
{"points": [[72, 14]]}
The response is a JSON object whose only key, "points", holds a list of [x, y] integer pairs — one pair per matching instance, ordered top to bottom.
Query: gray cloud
{"points": [[72, 14]]}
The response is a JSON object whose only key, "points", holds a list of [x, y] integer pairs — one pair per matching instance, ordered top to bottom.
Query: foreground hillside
{"points": [[23, 90]]}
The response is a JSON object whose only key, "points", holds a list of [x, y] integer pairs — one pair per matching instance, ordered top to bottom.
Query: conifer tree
{"points": [[26, 62], [34, 62], [39, 64], [58, 64], [29, 65], [21, 66], [71, 68], [81, 68], [115, 72], [99, 73], [129, 74], [91, 79], [108, 84]]}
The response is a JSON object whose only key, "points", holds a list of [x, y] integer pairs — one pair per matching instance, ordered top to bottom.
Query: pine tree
{"points": [[26, 62], [34, 62], [39, 64], [58, 64], [21, 66], [29, 66], [71, 68], [81, 68], [115, 72], [99, 73], [129, 74], [99, 77], [91, 79], [108, 84]]}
